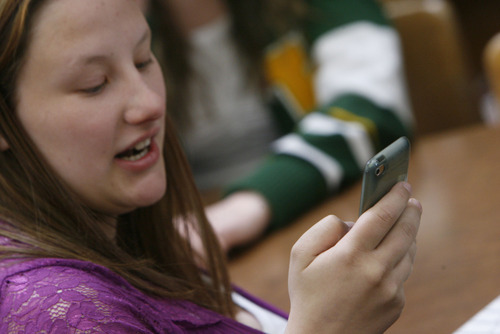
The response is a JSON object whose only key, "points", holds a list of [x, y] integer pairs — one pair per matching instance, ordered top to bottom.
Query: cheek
{"points": [[70, 140], [86, 143], [78, 152], [80, 157]]}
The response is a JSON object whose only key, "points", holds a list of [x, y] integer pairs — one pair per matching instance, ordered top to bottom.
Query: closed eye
{"points": [[144, 64], [96, 89]]}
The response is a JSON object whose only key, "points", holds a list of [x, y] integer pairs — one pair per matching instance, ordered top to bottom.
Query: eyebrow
{"points": [[145, 37], [99, 58]]}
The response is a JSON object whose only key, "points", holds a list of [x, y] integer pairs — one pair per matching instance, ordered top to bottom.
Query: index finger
{"points": [[375, 223]]}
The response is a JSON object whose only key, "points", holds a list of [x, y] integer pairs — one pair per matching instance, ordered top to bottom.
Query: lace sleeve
{"points": [[72, 296], [66, 300]]}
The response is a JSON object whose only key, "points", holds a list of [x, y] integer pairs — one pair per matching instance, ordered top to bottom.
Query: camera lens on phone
{"points": [[380, 170]]}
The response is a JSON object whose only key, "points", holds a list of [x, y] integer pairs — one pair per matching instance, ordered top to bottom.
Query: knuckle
{"points": [[403, 192], [384, 215], [409, 230], [298, 251], [350, 257], [375, 274], [394, 296], [399, 300], [397, 306]]}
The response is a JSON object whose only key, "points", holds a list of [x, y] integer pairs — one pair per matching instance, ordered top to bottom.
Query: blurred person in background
{"points": [[279, 103]]}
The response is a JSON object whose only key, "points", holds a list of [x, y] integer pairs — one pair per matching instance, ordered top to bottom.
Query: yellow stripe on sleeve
{"points": [[287, 67], [345, 115]]}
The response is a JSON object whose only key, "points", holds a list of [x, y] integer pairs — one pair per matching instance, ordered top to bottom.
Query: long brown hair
{"points": [[249, 34], [45, 219]]}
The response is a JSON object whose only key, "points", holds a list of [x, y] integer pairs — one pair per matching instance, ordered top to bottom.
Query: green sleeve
{"points": [[326, 15], [295, 179], [293, 185]]}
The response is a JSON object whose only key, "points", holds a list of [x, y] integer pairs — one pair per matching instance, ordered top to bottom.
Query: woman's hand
{"points": [[352, 282]]}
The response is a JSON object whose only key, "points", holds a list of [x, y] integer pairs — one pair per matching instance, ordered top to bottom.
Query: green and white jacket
{"points": [[345, 100]]}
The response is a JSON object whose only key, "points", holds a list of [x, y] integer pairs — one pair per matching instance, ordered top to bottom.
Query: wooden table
{"points": [[456, 176]]}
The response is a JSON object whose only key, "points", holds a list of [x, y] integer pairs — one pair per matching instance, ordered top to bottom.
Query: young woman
{"points": [[278, 103], [96, 201]]}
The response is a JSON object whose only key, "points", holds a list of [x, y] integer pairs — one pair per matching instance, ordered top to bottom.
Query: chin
{"points": [[151, 194], [136, 203]]}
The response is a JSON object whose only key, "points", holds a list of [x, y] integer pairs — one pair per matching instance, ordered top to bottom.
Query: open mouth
{"points": [[137, 152]]}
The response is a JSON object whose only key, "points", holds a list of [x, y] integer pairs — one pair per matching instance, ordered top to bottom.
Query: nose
{"points": [[147, 102]]}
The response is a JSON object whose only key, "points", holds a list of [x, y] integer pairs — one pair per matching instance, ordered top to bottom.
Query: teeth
{"points": [[143, 144], [140, 150], [136, 156]]}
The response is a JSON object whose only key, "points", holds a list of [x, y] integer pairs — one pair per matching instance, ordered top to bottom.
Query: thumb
{"points": [[319, 238]]}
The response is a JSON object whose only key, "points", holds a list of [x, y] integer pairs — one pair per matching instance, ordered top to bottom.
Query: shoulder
{"points": [[57, 273], [53, 294], [58, 295]]}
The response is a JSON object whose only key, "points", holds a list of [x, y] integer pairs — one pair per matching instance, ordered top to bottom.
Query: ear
{"points": [[4, 146]]}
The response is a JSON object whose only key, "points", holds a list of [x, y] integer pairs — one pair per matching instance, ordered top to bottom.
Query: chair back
{"points": [[491, 61], [438, 74]]}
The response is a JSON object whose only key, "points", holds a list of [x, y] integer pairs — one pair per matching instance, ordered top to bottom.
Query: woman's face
{"points": [[91, 96]]}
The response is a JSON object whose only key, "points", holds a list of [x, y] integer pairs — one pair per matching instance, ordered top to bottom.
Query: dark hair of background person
{"points": [[251, 36]]}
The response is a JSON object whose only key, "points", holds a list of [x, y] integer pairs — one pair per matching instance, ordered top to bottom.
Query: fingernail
{"points": [[407, 186], [416, 203]]}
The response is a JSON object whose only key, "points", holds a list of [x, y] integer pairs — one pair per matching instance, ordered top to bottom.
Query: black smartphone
{"points": [[383, 171]]}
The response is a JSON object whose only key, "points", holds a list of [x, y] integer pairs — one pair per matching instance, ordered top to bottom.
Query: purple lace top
{"points": [[70, 296]]}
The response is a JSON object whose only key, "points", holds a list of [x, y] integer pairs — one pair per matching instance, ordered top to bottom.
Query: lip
{"points": [[146, 161]]}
